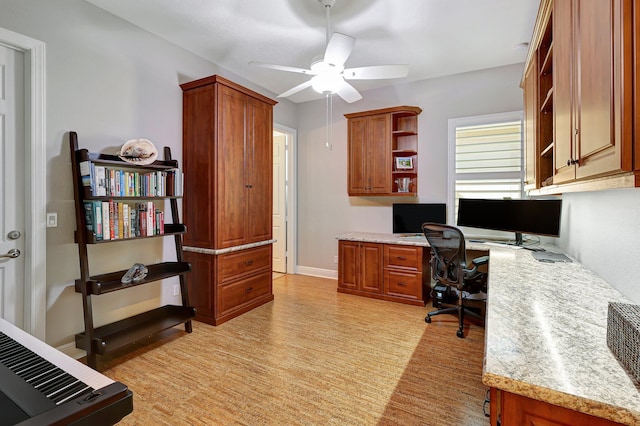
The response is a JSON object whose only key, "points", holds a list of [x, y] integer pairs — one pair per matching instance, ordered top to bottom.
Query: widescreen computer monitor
{"points": [[540, 217], [408, 218]]}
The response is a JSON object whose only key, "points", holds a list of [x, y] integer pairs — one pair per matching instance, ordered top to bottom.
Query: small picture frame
{"points": [[404, 163]]}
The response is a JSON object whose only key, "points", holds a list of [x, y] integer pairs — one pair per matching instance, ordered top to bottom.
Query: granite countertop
{"points": [[228, 249], [545, 332]]}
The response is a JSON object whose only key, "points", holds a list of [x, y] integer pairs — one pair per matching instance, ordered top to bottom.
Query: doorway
{"points": [[31, 170], [284, 200]]}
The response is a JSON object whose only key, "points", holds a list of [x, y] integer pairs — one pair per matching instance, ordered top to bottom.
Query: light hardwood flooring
{"points": [[310, 357]]}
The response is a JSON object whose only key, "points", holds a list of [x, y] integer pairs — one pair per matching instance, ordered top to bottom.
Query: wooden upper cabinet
{"points": [[593, 53], [592, 115], [375, 139], [227, 151], [369, 155]]}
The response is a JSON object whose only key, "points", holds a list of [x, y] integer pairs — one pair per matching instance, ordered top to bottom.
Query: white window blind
{"points": [[486, 158]]}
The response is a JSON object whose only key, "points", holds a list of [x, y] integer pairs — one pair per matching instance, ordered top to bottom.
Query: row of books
{"points": [[114, 182], [112, 220]]}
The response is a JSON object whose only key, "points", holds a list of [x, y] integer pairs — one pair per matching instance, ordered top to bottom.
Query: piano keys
{"points": [[40, 385]]}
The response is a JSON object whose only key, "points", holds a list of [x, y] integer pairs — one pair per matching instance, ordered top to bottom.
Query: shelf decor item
{"points": [[138, 151], [404, 163], [136, 273]]}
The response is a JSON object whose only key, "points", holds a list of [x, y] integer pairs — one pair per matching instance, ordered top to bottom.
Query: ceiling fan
{"points": [[329, 76]]}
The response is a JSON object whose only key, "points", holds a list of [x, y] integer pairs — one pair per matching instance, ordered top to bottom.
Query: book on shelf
{"points": [[112, 181], [97, 214], [88, 215], [113, 220], [106, 230]]}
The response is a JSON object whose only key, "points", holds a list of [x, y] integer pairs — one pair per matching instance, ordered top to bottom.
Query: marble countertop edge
{"points": [[581, 404]]}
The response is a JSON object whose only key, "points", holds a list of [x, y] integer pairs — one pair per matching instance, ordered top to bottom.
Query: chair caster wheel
{"points": [[427, 319], [460, 334]]}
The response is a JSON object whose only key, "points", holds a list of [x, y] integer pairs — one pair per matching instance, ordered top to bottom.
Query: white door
{"points": [[279, 203], [12, 214]]}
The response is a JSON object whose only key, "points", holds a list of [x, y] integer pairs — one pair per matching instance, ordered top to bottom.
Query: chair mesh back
{"points": [[448, 253]]}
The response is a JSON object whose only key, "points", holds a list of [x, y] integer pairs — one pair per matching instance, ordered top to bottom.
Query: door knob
{"points": [[13, 235], [12, 254]]}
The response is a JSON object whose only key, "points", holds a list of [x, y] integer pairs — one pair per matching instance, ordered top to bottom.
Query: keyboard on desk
{"points": [[40, 385]]}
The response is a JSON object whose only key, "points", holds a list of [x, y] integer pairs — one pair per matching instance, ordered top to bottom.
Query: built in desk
{"points": [[546, 355]]}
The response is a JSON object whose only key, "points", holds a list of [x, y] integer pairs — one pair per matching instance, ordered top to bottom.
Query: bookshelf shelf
{"points": [[114, 202], [119, 334]]}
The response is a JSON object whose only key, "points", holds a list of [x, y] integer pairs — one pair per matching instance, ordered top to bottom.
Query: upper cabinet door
{"points": [[563, 85], [604, 86], [530, 120], [357, 129], [378, 149]]}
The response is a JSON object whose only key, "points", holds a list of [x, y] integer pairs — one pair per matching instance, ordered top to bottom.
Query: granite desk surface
{"points": [[545, 332]]}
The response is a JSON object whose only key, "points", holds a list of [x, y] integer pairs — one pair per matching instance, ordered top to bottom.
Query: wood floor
{"points": [[311, 357]]}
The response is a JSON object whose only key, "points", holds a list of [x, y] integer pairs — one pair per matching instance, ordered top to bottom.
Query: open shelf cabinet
{"points": [[161, 175]]}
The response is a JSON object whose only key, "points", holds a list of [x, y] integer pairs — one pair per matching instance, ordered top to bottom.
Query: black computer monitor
{"points": [[540, 217], [408, 218]]}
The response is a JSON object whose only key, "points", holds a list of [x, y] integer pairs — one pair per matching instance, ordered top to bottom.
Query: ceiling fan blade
{"points": [[338, 49], [281, 68], [375, 72], [296, 89], [348, 93]]}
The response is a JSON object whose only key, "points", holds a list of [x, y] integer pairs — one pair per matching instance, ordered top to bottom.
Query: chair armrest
{"points": [[482, 260]]}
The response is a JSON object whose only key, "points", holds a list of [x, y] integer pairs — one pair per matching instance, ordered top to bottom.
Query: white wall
{"points": [[110, 82], [325, 210], [602, 230]]}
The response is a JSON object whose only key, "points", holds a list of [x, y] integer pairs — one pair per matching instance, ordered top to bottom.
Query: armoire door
{"points": [[259, 171], [231, 186]]}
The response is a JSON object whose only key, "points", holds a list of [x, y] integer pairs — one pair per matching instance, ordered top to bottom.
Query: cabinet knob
{"points": [[569, 162], [402, 258], [249, 262], [402, 285], [248, 290]]}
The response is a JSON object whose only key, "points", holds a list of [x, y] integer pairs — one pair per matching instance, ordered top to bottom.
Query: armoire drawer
{"points": [[237, 264], [233, 296]]}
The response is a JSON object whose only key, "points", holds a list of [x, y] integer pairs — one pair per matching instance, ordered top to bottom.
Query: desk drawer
{"points": [[406, 257], [245, 262], [403, 284]]}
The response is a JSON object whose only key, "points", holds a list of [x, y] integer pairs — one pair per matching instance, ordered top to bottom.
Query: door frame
{"points": [[291, 195], [35, 290]]}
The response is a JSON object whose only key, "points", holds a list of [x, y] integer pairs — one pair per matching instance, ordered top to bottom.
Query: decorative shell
{"points": [[138, 151]]}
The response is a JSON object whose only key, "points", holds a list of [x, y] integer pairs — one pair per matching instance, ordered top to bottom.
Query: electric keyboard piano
{"points": [[40, 385]]}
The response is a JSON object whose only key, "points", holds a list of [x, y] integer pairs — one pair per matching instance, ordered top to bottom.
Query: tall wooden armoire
{"points": [[227, 204]]}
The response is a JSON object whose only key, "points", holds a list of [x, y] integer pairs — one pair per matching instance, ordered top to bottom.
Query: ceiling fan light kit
{"points": [[329, 74]]}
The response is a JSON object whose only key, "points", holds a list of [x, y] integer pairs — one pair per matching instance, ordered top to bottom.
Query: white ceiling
{"points": [[434, 37]]}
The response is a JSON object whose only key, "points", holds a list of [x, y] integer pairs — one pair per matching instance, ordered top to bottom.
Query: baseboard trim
{"points": [[317, 272], [71, 350]]}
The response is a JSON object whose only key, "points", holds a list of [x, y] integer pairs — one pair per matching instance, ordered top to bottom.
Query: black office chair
{"points": [[449, 268]]}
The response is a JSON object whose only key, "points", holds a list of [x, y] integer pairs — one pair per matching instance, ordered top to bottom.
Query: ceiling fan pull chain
{"points": [[329, 120]]}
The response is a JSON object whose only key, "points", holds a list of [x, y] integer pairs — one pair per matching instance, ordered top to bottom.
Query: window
{"points": [[485, 158]]}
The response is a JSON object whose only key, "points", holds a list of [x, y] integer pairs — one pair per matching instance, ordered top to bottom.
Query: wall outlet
{"points": [[335, 259], [176, 289]]}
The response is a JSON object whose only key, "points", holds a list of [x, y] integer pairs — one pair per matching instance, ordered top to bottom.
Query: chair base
{"points": [[461, 310]]}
